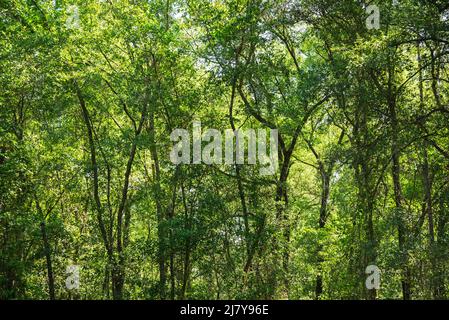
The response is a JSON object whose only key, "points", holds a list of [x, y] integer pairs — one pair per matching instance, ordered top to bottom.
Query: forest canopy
{"points": [[347, 100]]}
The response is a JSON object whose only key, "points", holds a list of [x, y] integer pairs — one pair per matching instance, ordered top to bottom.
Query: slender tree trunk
{"points": [[93, 156], [325, 174], [396, 174], [325, 182], [241, 191], [365, 197], [282, 204], [368, 205], [159, 209], [171, 215], [430, 221], [441, 243], [187, 246], [47, 250], [112, 263], [118, 274], [437, 280], [106, 282]]}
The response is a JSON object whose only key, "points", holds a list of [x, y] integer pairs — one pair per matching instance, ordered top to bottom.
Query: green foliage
{"points": [[91, 90]]}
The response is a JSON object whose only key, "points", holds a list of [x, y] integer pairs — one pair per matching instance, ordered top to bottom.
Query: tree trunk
{"points": [[325, 182], [398, 198], [159, 209], [187, 246], [47, 251]]}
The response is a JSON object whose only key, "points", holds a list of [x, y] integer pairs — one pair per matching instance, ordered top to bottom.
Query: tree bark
{"points": [[398, 197], [159, 209], [47, 251]]}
